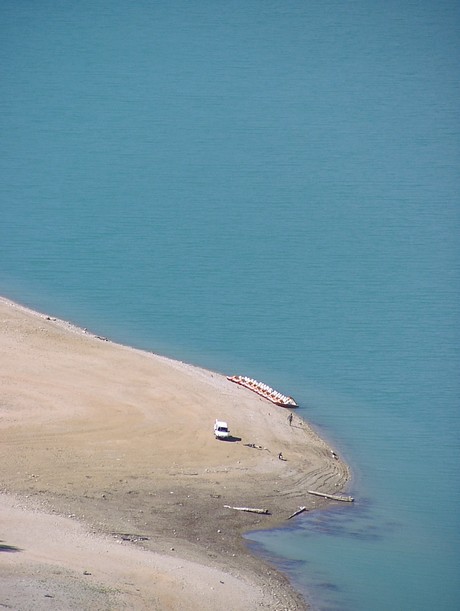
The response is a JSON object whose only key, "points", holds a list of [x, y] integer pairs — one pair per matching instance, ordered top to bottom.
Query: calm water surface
{"points": [[265, 188]]}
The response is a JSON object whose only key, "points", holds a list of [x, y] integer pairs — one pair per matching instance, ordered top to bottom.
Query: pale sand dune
{"points": [[121, 440]]}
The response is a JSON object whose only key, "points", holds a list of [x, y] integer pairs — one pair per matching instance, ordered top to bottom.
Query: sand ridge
{"points": [[121, 441]]}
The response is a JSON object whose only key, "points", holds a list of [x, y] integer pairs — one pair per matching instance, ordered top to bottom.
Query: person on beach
{"points": [[290, 419]]}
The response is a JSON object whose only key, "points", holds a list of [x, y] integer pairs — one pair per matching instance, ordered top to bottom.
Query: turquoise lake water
{"points": [[267, 188]]}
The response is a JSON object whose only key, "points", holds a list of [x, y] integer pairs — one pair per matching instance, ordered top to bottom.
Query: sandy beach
{"points": [[114, 489]]}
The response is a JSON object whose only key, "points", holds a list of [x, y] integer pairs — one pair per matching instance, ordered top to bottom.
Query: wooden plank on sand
{"points": [[334, 497], [250, 509], [296, 513]]}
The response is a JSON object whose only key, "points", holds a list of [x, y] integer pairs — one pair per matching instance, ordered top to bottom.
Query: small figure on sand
{"points": [[290, 419], [280, 456]]}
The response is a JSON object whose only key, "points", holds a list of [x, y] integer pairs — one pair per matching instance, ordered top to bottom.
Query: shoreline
{"points": [[119, 441]]}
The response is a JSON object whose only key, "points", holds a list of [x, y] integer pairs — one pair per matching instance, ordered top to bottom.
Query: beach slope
{"points": [[115, 493]]}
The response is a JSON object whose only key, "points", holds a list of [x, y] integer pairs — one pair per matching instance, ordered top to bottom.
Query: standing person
{"points": [[290, 419]]}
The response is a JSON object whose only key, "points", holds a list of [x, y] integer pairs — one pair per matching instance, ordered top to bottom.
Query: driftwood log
{"points": [[334, 497], [250, 509], [296, 513], [131, 537]]}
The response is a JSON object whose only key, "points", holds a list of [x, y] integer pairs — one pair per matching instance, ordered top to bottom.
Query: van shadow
{"points": [[232, 439], [9, 548]]}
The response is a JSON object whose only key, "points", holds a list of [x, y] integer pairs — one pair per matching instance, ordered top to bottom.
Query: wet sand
{"points": [[114, 488]]}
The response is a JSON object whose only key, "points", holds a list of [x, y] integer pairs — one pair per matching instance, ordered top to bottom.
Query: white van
{"points": [[221, 430]]}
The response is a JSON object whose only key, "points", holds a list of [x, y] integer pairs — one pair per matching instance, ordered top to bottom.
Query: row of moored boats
{"points": [[264, 391]]}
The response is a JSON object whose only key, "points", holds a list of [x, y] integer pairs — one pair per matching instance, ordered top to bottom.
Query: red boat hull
{"points": [[264, 391]]}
